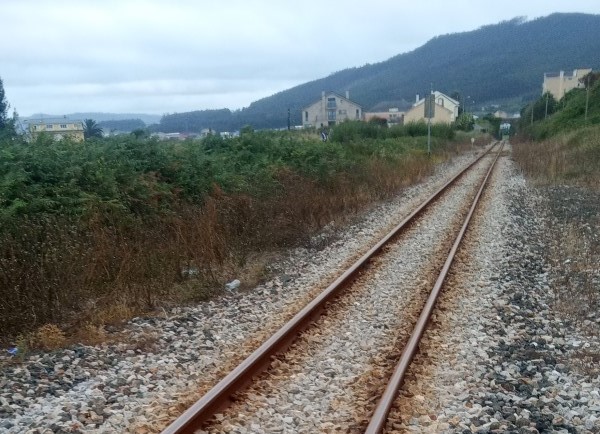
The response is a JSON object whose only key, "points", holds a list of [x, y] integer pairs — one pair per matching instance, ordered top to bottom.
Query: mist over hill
{"points": [[494, 62], [101, 117]]}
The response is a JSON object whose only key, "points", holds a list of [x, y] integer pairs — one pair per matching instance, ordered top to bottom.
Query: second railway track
{"points": [[334, 374]]}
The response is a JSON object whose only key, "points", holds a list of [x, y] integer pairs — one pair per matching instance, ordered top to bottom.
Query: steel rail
{"points": [[220, 395], [379, 418]]}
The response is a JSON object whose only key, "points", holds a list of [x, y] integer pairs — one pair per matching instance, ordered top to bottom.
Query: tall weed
{"points": [[572, 157], [94, 232]]}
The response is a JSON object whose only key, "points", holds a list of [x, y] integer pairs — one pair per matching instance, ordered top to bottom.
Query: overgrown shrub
{"points": [[568, 114], [352, 131], [98, 230]]}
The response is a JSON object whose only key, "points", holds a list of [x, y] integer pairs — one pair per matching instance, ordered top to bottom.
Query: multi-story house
{"points": [[559, 83], [332, 108], [445, 111], [58, 128]]}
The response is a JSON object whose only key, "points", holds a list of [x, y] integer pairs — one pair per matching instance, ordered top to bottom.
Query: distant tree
{"points": [[590, 79], [456, 96], [550, 104], [4, 105], [542, 107], [464, 122], [493, 122], [126, 125], [8, 128], [91, 129], [247, 129], [140, 133]]}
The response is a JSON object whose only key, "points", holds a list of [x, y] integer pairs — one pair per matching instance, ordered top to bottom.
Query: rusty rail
{"points": [[220, 395], [379, 418]]}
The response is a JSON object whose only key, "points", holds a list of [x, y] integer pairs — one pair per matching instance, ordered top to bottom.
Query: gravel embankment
{"points": [[501, 357], [162, 364], [526, 366], [319, 385]]}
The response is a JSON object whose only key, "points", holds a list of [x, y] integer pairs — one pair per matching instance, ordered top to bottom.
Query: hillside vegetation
{"points": [[506, 60], [125, 125], [565, 146], [93, 232]]}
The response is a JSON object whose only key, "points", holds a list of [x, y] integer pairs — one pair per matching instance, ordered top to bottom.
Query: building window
{"points": [[441, 102], [331, 103], [342, 112], [357, 113], [331, 115], [306, 116], [63, 125], [48, 126], [35, 127]]}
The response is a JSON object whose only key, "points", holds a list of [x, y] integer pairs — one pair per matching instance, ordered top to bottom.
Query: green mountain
{"points": [[505, 60]]}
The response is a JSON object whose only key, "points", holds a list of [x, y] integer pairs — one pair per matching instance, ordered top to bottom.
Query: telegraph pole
{"points": [[587, 96], [429, 101], [532, 107]]}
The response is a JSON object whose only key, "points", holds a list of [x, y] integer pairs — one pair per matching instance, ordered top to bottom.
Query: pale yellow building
{"points": [[559, 83], [332, 108], [446, 110], [58, 128]]}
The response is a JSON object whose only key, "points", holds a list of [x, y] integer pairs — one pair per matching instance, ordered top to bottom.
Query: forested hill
{"points": [[497, 61]]}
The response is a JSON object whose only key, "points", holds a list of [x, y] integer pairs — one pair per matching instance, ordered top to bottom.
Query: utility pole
{"points": [[587, 95], [430, 102], [532, 107], [546, 115]]}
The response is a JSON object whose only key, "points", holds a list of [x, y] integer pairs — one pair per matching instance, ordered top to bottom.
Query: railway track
{"points": [[384, 299]]}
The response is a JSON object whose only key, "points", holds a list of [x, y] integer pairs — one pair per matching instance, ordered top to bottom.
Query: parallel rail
{"points": [[219, 397], [379, 418]]}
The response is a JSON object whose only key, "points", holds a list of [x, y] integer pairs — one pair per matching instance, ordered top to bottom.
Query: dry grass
{"points": [[572, 158], [572, 226], [574, 256], [577, 256], [106, 273], [108, 312], [89, 334], [47, 337], [50, 337], [587, 361]]}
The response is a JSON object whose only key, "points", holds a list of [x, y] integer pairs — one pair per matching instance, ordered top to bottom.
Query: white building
{"points": [[332, 108], [445, 111]]}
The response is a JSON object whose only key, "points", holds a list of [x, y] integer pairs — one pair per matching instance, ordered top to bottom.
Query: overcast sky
{"points": [[153, 56]]}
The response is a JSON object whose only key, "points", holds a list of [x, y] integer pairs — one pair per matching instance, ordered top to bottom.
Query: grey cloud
{"points": [[165, 56]]}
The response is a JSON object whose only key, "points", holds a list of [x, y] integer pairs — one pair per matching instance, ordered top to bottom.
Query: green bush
{"points": [[568, 114], [356, 130], [352, 131], [115, 218]]}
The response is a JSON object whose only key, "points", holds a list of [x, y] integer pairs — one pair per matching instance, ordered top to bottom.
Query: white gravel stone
{"points": [[515, 371]]}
